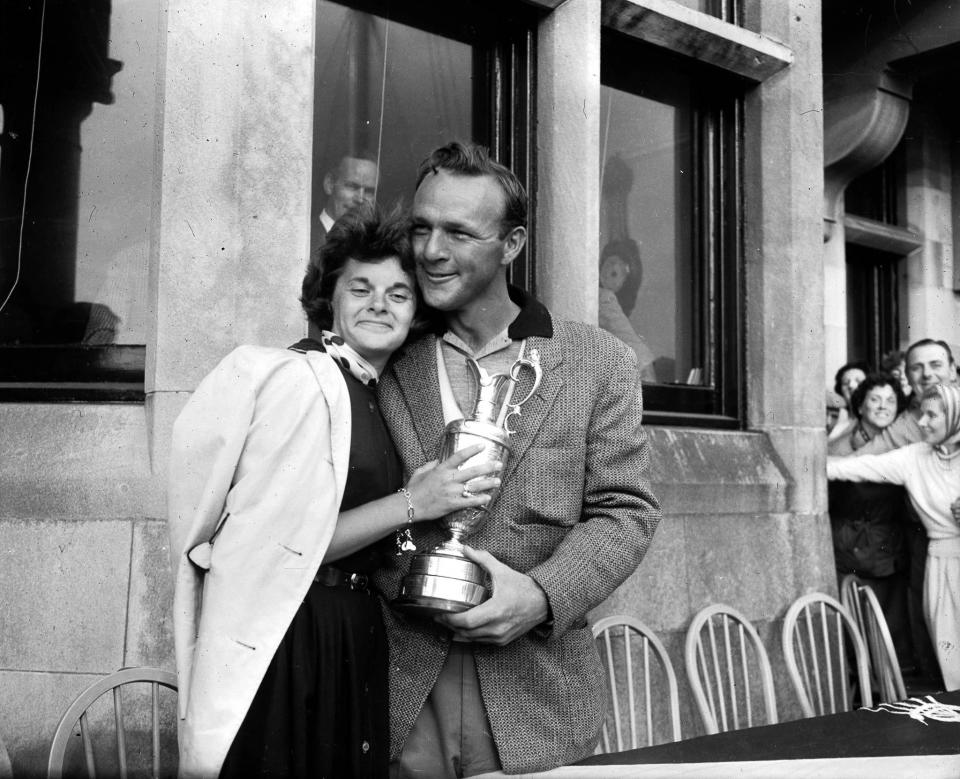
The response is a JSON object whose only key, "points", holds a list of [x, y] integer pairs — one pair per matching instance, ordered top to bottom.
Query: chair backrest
{"points": [[862, 603], [817, 634], [728, 669], [639, 673], [77, 716]]}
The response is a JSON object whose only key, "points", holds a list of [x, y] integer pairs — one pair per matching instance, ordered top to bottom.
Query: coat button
{"points": [[365, 746]]}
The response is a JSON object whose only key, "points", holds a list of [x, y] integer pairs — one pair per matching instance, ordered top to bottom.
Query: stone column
{"points": [[568, 162], [231, 224], [784, 254]]}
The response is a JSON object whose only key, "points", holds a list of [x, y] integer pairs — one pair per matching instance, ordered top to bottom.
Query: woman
{"points": [[621, 274], [874, 404], [930, 470], [282, 478], [868, 520]]}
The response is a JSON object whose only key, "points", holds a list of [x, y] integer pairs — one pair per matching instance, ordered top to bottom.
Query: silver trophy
{"points": [[444, 580]]}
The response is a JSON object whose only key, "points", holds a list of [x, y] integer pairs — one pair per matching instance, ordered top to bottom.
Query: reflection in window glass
{"points": [[722, 9], [386, 93], [81, 275], [648, 286]]}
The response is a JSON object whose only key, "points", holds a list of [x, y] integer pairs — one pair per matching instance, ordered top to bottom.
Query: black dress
{"points": [[322, 707]]}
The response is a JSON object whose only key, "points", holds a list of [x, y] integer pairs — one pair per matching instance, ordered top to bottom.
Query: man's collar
{"points": [[326, 220], [534, 318]]}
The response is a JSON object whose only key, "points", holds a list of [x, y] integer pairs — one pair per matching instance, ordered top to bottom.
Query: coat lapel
{"points": [[414, 376], [414, 379]]}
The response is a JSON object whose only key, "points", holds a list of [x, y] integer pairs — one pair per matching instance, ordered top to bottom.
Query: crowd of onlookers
{"points": [[894, 498]]}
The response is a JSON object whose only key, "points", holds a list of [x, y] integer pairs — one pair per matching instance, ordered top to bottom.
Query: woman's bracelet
{"points": [[404, 539]]}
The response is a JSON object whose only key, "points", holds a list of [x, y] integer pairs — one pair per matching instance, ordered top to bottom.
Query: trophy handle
{"points": [[534, 364]]}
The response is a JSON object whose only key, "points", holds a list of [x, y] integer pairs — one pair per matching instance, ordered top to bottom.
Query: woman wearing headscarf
{"points": [[930, 471]]}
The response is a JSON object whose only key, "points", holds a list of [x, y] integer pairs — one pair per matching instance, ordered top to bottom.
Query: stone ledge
{"points": [[717, 472]]}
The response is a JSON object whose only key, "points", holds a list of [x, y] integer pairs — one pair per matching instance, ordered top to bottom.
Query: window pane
{"points": [[722, 9], [388, 92], [81, 275], [649, 285]]}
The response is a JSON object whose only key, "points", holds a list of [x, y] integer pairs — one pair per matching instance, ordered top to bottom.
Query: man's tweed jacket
{"points": [[575, 513]]}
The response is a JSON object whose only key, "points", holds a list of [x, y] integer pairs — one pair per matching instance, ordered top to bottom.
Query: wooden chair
{"points": [[861, 601], [817, 632], [724, 655], [637, 663], [78, 715]]}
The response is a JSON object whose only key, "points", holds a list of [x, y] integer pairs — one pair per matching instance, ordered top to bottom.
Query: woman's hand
{"points": [[437, 488]]}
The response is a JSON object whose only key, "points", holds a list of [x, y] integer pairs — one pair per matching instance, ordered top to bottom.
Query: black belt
{"points": [[329, 576]]}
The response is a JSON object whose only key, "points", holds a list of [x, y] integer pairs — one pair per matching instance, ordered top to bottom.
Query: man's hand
{"points": [[955, 510], [516, 605]]}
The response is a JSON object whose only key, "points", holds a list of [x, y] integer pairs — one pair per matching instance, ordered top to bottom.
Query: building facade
{"points": [[688, 164]]}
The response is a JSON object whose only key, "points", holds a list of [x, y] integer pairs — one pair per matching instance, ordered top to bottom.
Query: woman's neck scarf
{"points": [[348, 358], [950, 398]]}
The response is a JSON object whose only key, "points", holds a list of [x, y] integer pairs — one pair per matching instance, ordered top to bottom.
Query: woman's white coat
{"points": [[257, 471]]}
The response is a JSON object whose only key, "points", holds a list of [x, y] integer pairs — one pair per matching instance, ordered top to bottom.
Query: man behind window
{"points": [[348, 184], [515, 682]]}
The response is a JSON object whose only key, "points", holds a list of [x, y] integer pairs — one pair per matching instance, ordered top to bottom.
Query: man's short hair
{"points": [[362, 153], [470, 159], [364, 235], [928, 342]]}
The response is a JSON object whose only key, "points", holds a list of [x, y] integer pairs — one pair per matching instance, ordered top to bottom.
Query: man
{"points": [[350, 183], [521, 684]]}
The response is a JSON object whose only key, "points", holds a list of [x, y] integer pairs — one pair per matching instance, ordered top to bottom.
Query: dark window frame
{"points": [[504, 33], [718, 233], [42, 370]]}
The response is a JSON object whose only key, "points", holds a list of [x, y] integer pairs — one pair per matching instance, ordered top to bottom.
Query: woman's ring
{"points": [[467, 494]]}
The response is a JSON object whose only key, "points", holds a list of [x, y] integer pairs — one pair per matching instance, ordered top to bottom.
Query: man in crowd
{"points": [[348, 184], [516, 682]]}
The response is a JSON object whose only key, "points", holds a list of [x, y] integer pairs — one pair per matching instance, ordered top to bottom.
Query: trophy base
{"points": [[441, 584]]}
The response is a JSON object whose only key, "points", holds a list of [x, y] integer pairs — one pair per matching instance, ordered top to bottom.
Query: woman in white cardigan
{"points": [[930, 471], [284, 486]]}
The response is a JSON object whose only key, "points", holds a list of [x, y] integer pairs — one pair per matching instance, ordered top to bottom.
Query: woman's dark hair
{"points": [[363, 234], [628, 251], [858, 364], [872, 381]]}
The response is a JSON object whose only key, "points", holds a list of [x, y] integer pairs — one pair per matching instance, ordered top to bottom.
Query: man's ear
{"points": [[328, 184], [513, 243]]}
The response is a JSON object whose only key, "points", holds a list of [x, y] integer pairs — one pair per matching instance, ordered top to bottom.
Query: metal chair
{"points": [[861, 601], [633, 653], [724, 655], [816, 655], [78, 715]]}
